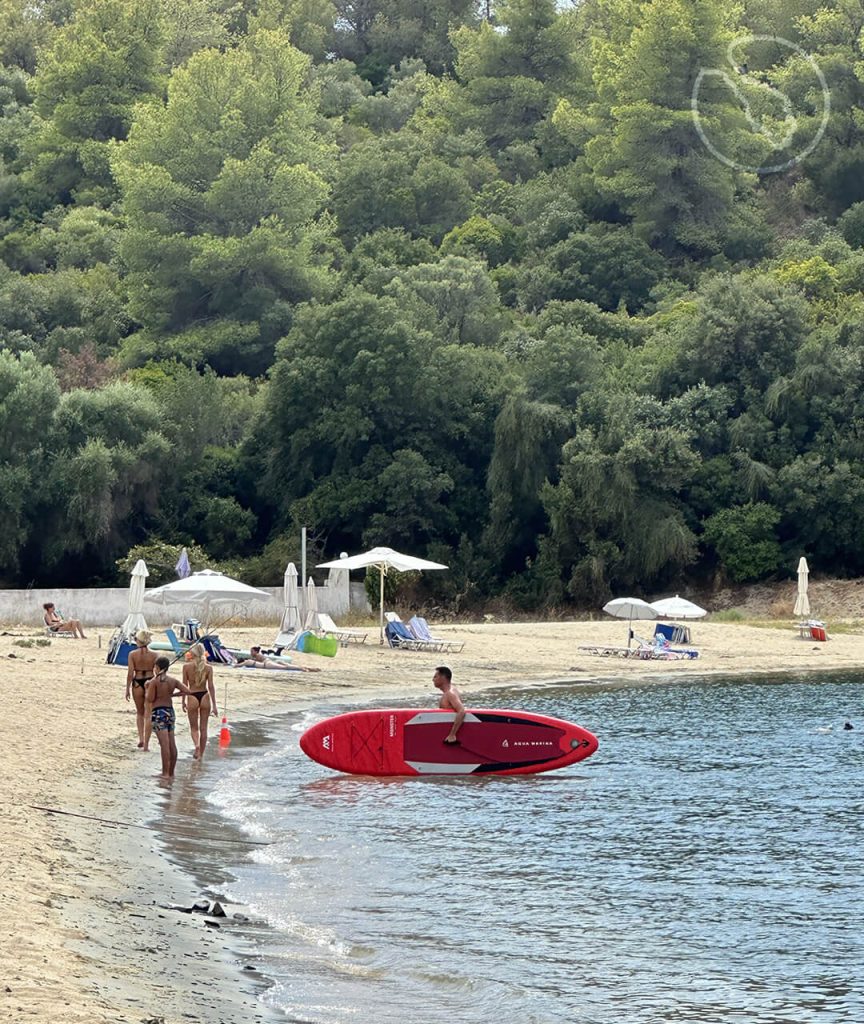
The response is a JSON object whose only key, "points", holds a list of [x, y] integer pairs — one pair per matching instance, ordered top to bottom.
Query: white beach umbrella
{"points": [[384, 560], [209, 589], [802, 601], [630, 608], [677, 608], [291, 614], [135, 619], [311, 621]]}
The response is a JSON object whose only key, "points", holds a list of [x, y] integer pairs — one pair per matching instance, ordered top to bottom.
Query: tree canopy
{"points": [[569, 297]]}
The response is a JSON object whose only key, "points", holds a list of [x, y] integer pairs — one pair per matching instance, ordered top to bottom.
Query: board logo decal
{"points": [[326, 742]]}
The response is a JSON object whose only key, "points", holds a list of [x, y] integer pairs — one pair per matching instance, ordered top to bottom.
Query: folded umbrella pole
{"points": [[802, 600], [135, 619]]}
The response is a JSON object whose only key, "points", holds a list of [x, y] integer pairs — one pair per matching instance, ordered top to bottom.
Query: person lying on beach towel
{"points": [[257, 660]]}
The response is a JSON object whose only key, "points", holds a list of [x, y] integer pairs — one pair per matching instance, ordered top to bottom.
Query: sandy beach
{"points": [[84, 934]]}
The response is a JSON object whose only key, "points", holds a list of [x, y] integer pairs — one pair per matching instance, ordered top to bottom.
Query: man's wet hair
{"points": [[163, 664], [448, 675]]}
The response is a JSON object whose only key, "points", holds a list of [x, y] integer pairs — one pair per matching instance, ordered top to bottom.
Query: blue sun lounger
{"points": [[420, 628]]}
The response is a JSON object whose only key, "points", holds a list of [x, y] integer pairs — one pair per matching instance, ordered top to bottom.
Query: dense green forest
{"points": [[567, 296]]}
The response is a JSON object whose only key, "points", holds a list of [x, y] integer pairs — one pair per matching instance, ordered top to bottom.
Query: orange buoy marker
{"points": [[224, 733]]}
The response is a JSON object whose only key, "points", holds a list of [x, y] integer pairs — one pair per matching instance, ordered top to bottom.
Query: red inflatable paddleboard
{"points": [[390, 741]]}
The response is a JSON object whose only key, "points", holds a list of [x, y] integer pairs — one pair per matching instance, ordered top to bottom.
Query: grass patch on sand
{"points": [[728, 615]]}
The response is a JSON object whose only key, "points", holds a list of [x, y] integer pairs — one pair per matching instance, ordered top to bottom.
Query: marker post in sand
{"points": [[225, 732]]}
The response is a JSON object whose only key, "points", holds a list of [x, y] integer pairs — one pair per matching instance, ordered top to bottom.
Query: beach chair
{"points": [[420, 628], [812, 629], [188, 632], [673, 632], [57, 633], [398, 635], [344, 636], [286, 640], [177, 646], [119, 648], [658, 648], [216, 652], [608, 652]]}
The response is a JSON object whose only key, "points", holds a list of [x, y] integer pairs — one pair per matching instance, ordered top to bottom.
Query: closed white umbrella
{"points": [[384, 560], [209, 589], [802, 601], [630, 608], [677, 608], [291, 614], [135, 619], [311, 621]]}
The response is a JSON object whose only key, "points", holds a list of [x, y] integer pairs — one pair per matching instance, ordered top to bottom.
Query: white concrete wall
{"points": [[109, 606]]}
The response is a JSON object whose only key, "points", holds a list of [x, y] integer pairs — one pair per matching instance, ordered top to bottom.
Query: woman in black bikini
{"points": [[57, 624], [141, 667], [201, 702]]}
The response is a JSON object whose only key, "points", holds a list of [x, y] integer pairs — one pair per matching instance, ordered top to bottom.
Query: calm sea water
{"points": [[704, 865]]}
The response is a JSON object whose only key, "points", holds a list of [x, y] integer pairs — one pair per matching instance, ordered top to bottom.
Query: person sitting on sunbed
{"points": [[58, 624], [257, 660]]}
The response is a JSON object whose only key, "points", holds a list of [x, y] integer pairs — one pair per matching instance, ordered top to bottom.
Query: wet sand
{"points": [[83, 937]]}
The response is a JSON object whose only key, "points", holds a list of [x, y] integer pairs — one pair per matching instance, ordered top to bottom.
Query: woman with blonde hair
{"points": [[142, 665], [201, 701]]}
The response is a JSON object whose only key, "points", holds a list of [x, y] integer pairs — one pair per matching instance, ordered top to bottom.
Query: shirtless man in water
{"points": [[160, 690], [450, 699]]}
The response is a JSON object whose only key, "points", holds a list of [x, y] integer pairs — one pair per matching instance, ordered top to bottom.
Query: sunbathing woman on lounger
{"points": [[57, 624], [257, 660]]}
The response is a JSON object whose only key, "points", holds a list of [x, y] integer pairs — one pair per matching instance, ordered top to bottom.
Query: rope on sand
{"points": [[149, 828]]}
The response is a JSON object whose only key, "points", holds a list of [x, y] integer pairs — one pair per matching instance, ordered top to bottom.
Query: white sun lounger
{"points": [[343, 635], [608, 652]]}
